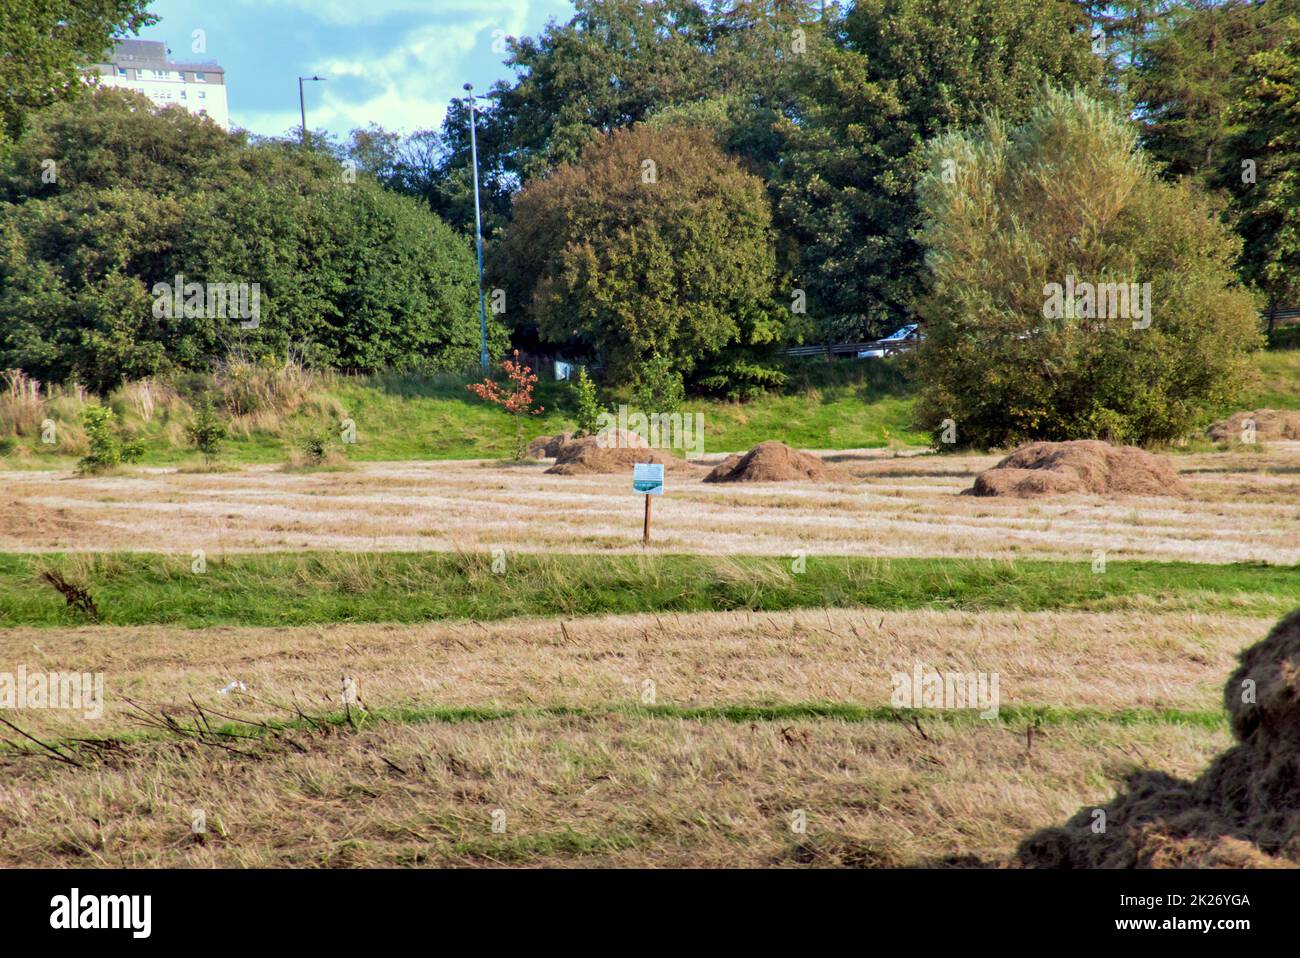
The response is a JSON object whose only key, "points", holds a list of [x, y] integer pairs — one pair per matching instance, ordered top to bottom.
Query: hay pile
{"points": [[1269, 424], [548, 447], [602, 454], [772, 461], [1080, 466], [33, 523], [1244, 811]]}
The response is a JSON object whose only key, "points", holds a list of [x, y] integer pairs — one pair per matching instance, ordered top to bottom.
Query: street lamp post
{"points": [[302, 106], [478, 229]]}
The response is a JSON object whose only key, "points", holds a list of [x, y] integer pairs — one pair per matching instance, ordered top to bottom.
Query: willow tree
{"points": [[1072, 293]]}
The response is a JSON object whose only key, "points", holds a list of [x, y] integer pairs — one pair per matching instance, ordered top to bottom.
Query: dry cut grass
{"points": [[1243, 506], [541, 724], [612, 790]]}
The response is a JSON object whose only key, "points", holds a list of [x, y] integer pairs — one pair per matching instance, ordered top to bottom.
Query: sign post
{"points": [[647, 478]]}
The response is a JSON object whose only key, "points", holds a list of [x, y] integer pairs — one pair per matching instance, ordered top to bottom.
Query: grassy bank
{"points": [[839, 405], [271, 410], [318, 588]]}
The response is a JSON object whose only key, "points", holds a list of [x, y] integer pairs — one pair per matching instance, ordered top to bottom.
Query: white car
{"points": [[911, 333]]}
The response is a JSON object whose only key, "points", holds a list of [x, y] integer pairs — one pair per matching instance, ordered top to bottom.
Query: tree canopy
{"points": [[44, 45], [654, 243], [348, 274], [1073, 294]]}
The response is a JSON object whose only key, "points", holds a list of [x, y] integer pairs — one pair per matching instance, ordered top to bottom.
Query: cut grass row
{"points": [[315, 588], [1009, 716]]}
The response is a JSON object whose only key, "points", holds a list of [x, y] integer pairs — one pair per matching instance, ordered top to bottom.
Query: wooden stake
{"points": [[645, 534]]}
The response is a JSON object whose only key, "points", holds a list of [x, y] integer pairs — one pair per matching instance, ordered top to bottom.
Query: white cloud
{"points": [[352, 11], [405, 84]]}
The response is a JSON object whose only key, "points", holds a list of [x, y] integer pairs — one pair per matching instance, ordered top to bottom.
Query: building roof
{"points": [[152, 54]]}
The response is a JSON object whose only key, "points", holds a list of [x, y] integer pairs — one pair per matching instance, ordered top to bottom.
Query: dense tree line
{"points": [[832, 106], [793, 139], [108, 202]]}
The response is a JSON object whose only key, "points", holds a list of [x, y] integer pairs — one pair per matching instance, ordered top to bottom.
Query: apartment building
{"points": [[145, 66]]}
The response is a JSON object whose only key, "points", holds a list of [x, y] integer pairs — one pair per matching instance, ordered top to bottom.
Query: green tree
{"points": [[1120, 31], [44, 44], [612, 64], [906, 71], [1191, 72], [1261, 170], [1067, 198], [654, 243], [349, 274], [588, 407], [206, 431], [107, 449]]}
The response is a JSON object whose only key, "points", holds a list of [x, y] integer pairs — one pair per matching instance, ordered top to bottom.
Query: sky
{"points": [[392, 62]]}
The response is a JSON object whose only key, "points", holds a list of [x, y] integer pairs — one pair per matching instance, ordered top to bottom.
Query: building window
{"points": [[121, 71], [199, 76], [202, 95]]}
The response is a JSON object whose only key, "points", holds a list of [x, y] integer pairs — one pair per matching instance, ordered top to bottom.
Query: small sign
{"points": [[648, 478]]}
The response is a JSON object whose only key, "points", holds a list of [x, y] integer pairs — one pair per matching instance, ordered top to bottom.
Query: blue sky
{"points": [[394, 62]]}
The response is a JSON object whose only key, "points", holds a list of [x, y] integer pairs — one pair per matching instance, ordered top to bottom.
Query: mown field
{"points": [[536, 688], [627, 740]]}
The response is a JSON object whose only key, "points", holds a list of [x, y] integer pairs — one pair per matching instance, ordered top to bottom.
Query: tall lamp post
{"points": [[302, 106], [478, 228]]}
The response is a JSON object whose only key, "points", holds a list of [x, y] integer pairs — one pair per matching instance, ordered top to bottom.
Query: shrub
{"points": [[348, 274], [658, 386], [516, 399], [588, 414], [207, 430], [316, 446], [107, 449]]}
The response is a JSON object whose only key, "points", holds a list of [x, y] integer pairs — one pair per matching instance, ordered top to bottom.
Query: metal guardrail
{"points": [[840, 349]]}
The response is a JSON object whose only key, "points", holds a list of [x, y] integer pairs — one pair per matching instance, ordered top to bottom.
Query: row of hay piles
{"points": [[1086, 466]]}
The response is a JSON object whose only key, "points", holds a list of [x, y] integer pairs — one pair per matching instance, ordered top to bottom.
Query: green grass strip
{"points": [[317, 588], [1040, 716], [1010, 717]]}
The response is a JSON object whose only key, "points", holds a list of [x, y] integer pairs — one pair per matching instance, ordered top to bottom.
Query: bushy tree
{"points": [[1067, 198], [655, 243], [349, 274], [587, 405], [206, 432], [108, 450]]}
